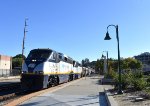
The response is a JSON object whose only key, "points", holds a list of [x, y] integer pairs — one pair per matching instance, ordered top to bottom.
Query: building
{"points": [[144, 58], [5, 62]]}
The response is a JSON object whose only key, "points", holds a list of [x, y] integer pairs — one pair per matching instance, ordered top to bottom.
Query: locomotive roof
{"points": [[42, 49], [54, 51]]}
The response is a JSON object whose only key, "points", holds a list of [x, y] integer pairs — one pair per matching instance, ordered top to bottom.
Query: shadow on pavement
{"points": [[102, 99], [88, 101]]}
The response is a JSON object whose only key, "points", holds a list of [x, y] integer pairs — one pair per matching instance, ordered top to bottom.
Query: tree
{"points": [[19, 56], [17, 61], [85, 62], [133, 63], [92, 64], [113, 64], [126, 64], [99, 66]]}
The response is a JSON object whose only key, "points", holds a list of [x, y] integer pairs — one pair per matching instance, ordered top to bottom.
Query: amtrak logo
{"points": [[31, 65]]}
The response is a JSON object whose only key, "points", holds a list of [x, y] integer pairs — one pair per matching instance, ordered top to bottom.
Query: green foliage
{"points": [[19, 56], [17, 61], [85, 62], [133, 63], [113, 64], [126, 64], [99, 66], [138, 74], [110, 75], [132, 79], [148, 79], [125, 80], [139, 83]]}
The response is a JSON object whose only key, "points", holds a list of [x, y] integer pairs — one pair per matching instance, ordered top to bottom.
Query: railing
{"points": [[8, 72]]}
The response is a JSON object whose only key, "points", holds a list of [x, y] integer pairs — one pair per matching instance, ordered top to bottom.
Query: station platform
{"points": [[10, 79], [85, 91]]}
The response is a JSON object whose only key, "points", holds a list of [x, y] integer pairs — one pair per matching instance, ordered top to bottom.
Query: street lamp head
{"points": [[107, 37], [102, 56]]}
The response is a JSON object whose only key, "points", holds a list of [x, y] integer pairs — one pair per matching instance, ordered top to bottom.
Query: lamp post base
{"points": [[120, 92]]}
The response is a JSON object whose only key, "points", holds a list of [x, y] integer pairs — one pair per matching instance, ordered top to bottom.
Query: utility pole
{"points": [[23, 42]]}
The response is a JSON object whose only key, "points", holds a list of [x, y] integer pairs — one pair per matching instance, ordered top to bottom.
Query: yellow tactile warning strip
{"points": [[9, 78], [29, 96]]}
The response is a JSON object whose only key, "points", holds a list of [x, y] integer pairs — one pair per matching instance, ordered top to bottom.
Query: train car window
{"points": [[54, 56], [60, 57], [57, 58], [65, 59], [70, 61], [73, 63], [80, 65]]}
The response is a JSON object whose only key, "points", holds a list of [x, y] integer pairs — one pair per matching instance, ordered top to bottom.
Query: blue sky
{"points": [[75, 27]]}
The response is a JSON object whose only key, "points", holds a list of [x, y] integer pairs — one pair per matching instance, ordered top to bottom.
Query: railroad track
{"points": [[9, 86], [9, 90]]}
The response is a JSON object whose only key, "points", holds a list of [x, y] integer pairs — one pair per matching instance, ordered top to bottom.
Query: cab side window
{"points": [[57, 57], [60, 57], [52, 58], [65, 59]]}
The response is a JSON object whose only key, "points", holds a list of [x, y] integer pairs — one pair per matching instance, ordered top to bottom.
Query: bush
{"points": [[137, 74], [110, 75], [132, 79], [148, 79], [125, 80], [137, 80], [139, 83]]}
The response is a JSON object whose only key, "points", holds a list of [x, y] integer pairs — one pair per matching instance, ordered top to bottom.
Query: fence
{"points": [[8, 72]]}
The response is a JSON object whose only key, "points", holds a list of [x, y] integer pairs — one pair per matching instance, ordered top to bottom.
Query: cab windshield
{"points": [[39, 54]]}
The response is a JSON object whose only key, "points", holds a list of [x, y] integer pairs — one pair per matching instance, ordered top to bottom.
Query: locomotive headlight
{"points": [[34, 60], [24, 72], [40, 72]]}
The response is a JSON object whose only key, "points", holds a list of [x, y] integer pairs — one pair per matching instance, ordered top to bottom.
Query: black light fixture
{"points": [[107, 37], [102, 56]]}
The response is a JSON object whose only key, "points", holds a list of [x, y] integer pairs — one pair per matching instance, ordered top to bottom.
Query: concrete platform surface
{"points": [[8, 80], [85, 92]]}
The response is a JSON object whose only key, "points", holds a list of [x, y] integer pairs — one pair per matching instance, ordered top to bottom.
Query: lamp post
{"points": [[107, 37], [107, 58], [105, 64]]}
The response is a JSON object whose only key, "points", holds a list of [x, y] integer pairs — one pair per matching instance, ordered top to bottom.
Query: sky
{"points": [[75, 27]]}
